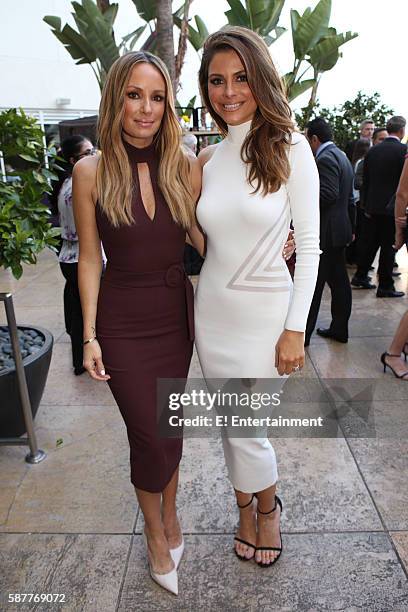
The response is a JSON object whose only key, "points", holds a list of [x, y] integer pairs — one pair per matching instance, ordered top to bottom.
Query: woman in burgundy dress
{"points": [[138, 199]]}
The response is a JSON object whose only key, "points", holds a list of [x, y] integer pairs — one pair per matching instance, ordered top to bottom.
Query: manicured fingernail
{"points": [[102, 372]]}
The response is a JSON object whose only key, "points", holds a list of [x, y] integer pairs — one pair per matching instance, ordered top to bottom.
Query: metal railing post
{"points": [[35, 455]]}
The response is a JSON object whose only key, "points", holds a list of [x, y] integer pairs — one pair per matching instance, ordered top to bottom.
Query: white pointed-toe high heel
{"points": [[177, 553], [168, 581]]}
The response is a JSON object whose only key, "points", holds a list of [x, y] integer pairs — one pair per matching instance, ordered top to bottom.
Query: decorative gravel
{"points": [[30, 341]]}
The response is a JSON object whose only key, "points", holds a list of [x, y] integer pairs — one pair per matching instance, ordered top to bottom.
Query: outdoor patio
{"points": [[71, 525]]}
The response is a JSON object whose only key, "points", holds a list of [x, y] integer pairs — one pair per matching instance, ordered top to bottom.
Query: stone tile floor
{"points": [[71, 524]]}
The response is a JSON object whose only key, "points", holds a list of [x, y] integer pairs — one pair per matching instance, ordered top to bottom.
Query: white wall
{"points": [[35, 69]]}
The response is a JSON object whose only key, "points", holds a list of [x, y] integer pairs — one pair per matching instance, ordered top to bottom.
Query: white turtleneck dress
{"points": [[245, 296]]}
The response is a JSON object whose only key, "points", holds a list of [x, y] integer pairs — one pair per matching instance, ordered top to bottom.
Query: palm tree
{"points": [[165, 39], [93, 42], [315, 44], [182, 45]]}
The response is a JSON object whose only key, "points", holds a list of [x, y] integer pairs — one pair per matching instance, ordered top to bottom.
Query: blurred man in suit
{"points": [[367, 129], [379, 135], [381, 173], [337, 221]]}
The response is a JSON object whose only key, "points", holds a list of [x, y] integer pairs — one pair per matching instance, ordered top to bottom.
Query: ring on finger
{"points": [[296, 368]]}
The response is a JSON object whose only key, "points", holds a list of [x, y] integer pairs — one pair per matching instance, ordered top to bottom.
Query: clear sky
{"points": [[375, 61]]}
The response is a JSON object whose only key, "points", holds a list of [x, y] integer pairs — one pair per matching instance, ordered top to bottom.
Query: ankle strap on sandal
{"points": [[277, 500], [248, 504]]}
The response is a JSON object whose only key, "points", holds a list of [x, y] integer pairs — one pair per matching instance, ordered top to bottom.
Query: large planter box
{"points": [[36, 368]]}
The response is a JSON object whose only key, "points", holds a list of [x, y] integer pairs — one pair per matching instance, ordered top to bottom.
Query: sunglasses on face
{"points": [[86, 153]]}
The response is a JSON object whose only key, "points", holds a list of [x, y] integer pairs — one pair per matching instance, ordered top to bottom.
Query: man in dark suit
{"points": [[381, 173], [337, 221]]}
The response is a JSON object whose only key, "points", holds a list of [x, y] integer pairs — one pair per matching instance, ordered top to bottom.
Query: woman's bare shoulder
{"points": [[206, 154], [194, 163], [86, 167], [196, 174]]}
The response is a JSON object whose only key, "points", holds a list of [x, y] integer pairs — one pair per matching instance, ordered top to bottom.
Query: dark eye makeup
{"points": [[217, 80], [134, 95]]}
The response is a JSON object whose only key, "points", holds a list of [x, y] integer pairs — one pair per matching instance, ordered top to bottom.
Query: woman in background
{"points": [[73, 149], [359, 152], [392, 358]]}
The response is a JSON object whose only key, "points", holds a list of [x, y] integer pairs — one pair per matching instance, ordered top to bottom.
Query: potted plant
{"points": [[25, 179]]}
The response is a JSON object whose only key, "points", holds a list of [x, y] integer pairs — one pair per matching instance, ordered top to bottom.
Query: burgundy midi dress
{"points": [[145, 322]]}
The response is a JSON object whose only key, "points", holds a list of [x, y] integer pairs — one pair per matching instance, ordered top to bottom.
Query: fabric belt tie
{"points": [[174, 276]]}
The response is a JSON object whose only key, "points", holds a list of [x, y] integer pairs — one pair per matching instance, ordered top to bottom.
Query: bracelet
{"points": [[88, 341]]}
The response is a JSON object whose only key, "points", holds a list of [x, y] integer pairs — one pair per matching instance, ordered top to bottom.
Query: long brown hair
{"points": [[265, 148], [114, 174]]}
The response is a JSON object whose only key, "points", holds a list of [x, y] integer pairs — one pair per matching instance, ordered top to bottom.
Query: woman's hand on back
{"points": [[290, 246]]}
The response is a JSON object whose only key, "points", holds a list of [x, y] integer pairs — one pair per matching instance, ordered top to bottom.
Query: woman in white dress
{"points": [[250, 316]]}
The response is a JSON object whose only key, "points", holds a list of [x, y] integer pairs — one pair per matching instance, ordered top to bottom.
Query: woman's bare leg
{"points": [[396, 346], [170, 521], [247, 524], [267, 525], [159, 554]]}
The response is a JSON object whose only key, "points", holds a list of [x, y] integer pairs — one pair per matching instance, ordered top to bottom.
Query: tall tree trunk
{"points": [[103, 5], [165, 40], [182, 45], [313, 97]]}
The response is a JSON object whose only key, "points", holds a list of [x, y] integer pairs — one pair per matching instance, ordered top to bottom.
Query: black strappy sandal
{"points": [[405, 351], [387, 365], [277, 501], [244, 541]]}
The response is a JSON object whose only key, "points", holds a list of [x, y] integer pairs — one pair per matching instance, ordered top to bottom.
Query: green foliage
{"points": [[147, 9], [261, 16], [308, 28], [197, 36], [94, 40], [129, 41], [315, 46], [186, 110], [346, 118], [24, 219]]}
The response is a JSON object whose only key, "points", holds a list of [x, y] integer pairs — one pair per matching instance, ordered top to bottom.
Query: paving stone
{"points": [[64, 388], [384, 467], [319, 483], [82, 486], [336, 491], [400, 539], [87, 569], [350, 571]]}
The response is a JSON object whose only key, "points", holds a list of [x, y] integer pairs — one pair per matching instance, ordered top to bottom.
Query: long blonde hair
{"points": [[265, 148], [114, 174]]}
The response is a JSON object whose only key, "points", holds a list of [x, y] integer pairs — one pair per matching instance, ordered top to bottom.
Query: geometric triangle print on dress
{"points": [[258, 272]]}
